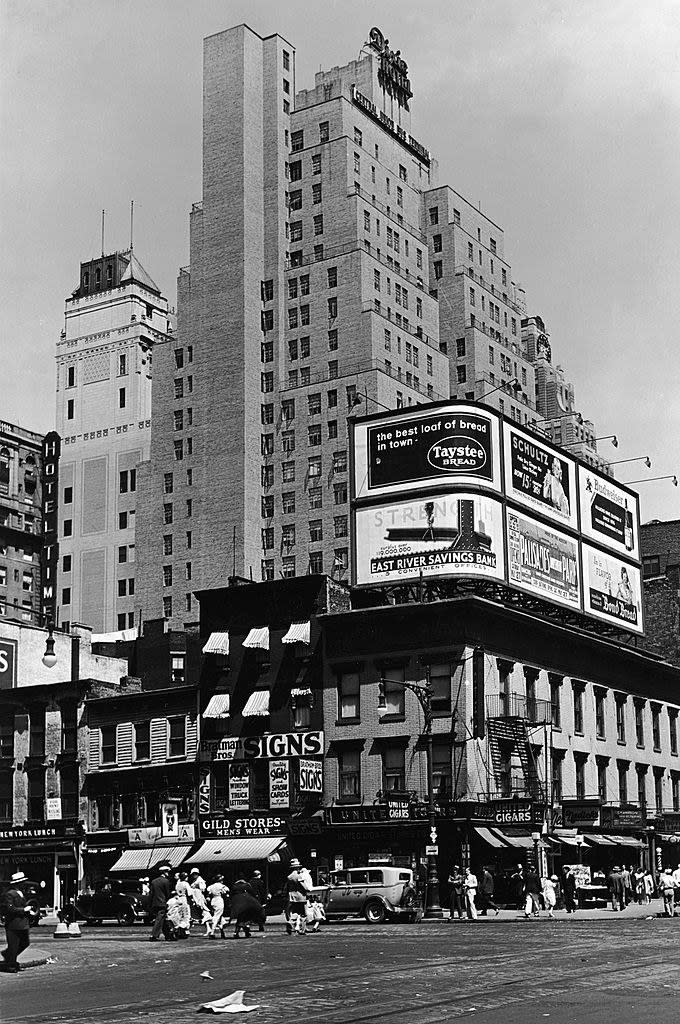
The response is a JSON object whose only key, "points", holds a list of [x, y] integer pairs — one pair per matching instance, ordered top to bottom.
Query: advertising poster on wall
{"points": [[456, 444], [538, 477], [609, 515], [444, 535], [542, 561], [611, 589], [311, 776], [279, 784], [239, 786]]}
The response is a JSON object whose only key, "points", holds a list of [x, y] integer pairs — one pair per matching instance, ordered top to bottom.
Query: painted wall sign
{"points": [[539, 477], [609, 515], [442, 535], [542, 561], [612, 589], [8, 663], [243, 748], [279, 784], [239, 786]]}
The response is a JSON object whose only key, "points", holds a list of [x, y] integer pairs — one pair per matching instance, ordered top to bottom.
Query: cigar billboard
{"points": [[450, 445], [609, 514], [457, 534], [542, 561], [611, 589]]}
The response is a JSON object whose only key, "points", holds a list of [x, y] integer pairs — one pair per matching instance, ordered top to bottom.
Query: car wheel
{"points": [[375, 912], [127, 917]]}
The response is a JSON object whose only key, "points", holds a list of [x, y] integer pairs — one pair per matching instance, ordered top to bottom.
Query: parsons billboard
{"points": [[417, 451]]}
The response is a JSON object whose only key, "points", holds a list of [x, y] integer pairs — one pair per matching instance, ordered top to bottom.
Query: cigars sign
{"points": [[278, 745]]}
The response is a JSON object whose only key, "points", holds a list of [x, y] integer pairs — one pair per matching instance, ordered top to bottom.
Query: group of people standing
{"points": [[628, 884], [472, 897], [214, 905]]}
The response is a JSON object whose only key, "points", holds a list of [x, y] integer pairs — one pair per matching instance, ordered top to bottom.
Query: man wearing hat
{"points": [[297, 890], [161, 891], [260, 893], [15, 917]]}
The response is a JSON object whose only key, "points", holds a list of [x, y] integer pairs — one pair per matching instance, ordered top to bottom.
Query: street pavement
{"points": [[594, 967]]}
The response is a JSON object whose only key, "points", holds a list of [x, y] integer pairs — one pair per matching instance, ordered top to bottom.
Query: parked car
{"points": [[33, 894], [378, 894], [119, 900]]}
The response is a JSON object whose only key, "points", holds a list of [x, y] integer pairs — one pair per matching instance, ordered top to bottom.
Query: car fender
{"points": [[389, 907]]}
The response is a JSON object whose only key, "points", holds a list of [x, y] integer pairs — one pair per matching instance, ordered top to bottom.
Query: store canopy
{"points": [[297, 634], [115, 637], [258, 637], [217, 643], [257, 704], [218, 706], [488, 837], [569, 840], [598, 840], [627, 841], [520, 842], [217, 851], [145, 858]]}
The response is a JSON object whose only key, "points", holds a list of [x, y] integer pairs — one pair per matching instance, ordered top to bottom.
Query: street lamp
{"points": [[591, 440], [640, 458], [650, 479], [49, 658], [423, 692], [535, 838], [579, 844]]}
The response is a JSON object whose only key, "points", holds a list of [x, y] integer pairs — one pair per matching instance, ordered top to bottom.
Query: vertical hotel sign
{"points": [[49, 557]]}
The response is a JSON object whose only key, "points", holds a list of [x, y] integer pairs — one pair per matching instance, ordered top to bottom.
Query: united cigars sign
{"points": [[246, 748], [499, 812]]}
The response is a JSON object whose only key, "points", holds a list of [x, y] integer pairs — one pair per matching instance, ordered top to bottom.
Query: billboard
{"points": [[454, 444], [539, 477], [609, 515], [440, 535], [542, 561], [611, 589], [8, 663], [279, 784], [239, 786]]}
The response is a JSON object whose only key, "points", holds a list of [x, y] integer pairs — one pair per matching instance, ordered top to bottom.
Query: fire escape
{"points": [[511, 720]]}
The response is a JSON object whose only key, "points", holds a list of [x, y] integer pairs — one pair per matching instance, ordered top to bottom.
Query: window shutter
{"points": [[192, 738], [159, 739], [124, 744], [94, 748]]}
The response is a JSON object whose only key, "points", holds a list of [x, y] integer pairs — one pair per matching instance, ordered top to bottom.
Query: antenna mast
{"points": [[103, 218], [132, 221]]}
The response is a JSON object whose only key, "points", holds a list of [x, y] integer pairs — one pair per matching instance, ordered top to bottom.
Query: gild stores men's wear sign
{"points": [[455, 443], [537, 477], [609, 515], [445, 535], [542, 561], [611, 589], [279, 784]]}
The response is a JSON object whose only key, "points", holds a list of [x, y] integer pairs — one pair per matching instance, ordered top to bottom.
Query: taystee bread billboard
{"points": [[414, 452]]}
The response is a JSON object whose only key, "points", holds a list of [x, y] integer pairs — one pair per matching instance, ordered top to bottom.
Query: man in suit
{"points": [[160, 894], [15, 918]]}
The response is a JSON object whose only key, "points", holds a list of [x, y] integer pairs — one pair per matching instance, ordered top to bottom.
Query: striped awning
{"points": [[298, 633], [258, 637], [218, 643], [257, 704], [218, 706], [487, 835], [569, 840], [598, 840], [627, 841], [519, 842], [217, 851], [145, 858]]}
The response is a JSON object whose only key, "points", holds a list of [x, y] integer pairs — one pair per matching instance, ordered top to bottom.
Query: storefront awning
{"points": [[297, 634], [258, 637], [217, 643], [257, 704], [218, 706], [488, 837], [568, 840], [598, 840], [627, 841], [520, 842], [216, 851], [145, 858]]}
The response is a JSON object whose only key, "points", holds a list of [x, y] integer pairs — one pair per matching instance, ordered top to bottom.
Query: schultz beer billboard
{"points": [[452, 444], [539, 477]]}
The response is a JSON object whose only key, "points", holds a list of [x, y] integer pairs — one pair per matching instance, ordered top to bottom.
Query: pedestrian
{"points": [[676, 878], [627, 885], [639, 885], [182, 886], [649, 886], [145, 887], [470, 887], [517, 887], [549, 888], [616, 888], [569, 889], [486, 890], [667, 890], [297, 891], [260, 892], [532, 892], [160, 894], [216, 894], [456, 897], [199, 904], [246, 909], [317, 913], [14, 914], [178, 920]]}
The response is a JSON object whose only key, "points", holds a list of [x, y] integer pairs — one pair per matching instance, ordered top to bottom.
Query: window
{"points": [[286, 60], [297, 141], [357, 164], [295, 170], [316, 193], [400, 197], [434, 215], [318, 224], [296, 231], [437, 243], [437, 267], [376, 280], [332, 308], [333, 340], [460, 348], [267, 351], [179, 358], [332, 369], [461, 373], [71, 377], [121, 398], [70, 409], [178, 419], [332, 430], [314, 432], [288, 441], [179, 450], [339, 462], [314, 466], [288, 472], [267, 476], [315, 497], [287, 503], [267, 506], [167, 519], [288, 536], [267, 538], [167, 544], [122, 553], [315, 562], [66, 563], [288, 566], [267, 567], [167, 575], [167, 607], [440, 681], [393, 692], [348, 695], [578, 707], [556, 709], [599, 713], [621, 719], [639, 723], [656, 727], [673, 730], [36, 738], [177, 739], [142, 741], [108, 744], [557, 760], [580, 764], [622, 771], [641, 771], [394, 774], [349, 775], [442, 778], [602, 779], [658, 790], [675, 790]]}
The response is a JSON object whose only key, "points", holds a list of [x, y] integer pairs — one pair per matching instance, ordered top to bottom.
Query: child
{"points": [[318, 914]]}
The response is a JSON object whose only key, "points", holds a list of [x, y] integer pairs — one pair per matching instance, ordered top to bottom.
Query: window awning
{"points": [[298, 633], [115, 637], [258, 637], [217, 643], [257, 704], [218, 706], [488, 837], [569, 840], [598, 840], [627, 841], [520, 842], [217, 851], [145, 858]]}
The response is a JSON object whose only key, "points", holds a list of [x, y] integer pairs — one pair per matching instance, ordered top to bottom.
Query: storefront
{"points": [[238, 844], [147, 848], [100, 852], [48, 854]]}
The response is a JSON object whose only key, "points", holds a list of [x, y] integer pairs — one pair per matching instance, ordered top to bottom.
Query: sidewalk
{"points": [[633, 911]]}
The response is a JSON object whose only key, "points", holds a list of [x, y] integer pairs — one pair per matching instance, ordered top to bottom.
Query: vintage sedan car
{"points": [[377, 893], [34, 898], [119, 900]]}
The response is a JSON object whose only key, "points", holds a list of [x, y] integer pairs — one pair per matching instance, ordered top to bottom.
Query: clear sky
{"points": [[561, 118]]}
